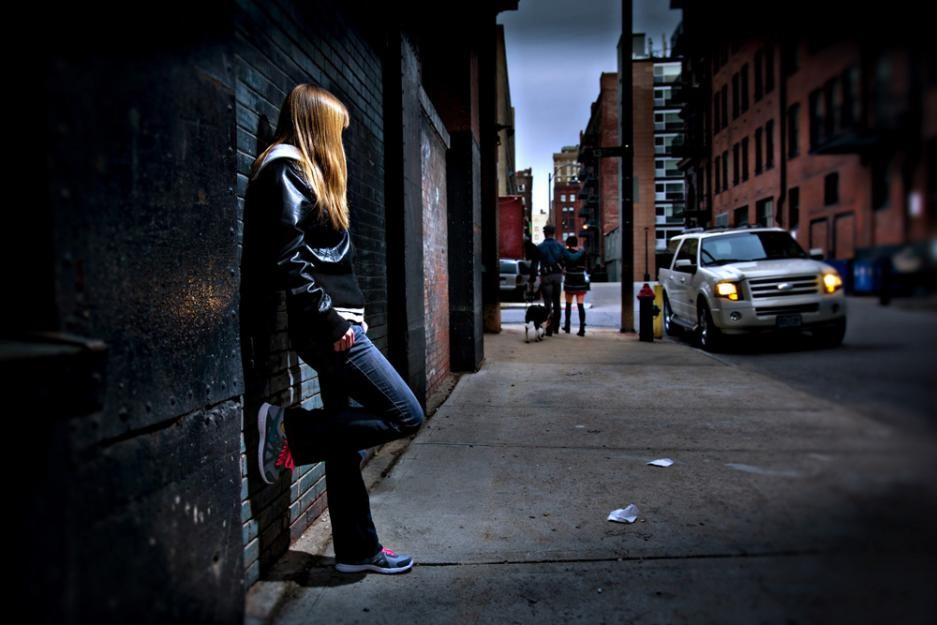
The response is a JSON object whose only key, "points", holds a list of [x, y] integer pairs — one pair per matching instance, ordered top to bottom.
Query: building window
{"points": [[789, 58], [759, 60], [769, 70], [744, 87], [735, 95], [724, 101], [833, 105], [851, 111], [716, 112], [816, 118], [793, 130], [759, 144], [769, 144], [745, 158], [735, 164], [725, 170], [880, 184], [716, 186], [831, 189], [562, 197], [572, 197], [793, 199], [764, 211], [741, 216], [722, 220]]}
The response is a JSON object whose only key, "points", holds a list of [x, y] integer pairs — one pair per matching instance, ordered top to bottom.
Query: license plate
{"points": [[788, 321]]}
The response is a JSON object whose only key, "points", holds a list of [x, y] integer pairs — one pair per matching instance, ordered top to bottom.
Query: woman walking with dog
{"points": [[575, 284]]}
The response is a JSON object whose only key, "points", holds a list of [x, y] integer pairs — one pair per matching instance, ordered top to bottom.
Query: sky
{"points": [[556, 51]]}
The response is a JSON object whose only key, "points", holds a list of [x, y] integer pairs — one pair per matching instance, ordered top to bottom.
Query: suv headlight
{"points": [[832, 282], [728, 290]]}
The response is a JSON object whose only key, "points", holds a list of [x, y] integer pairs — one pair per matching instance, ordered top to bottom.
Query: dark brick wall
{"points": [[278, 45], [404, 114], [141, 488], [150, 508]]}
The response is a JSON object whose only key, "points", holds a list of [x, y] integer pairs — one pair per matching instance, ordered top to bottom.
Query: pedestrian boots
{"points": [[568, 314], [582, 319]]}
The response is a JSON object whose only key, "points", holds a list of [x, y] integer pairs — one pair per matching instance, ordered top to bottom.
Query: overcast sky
{"points": [[556, 51]]}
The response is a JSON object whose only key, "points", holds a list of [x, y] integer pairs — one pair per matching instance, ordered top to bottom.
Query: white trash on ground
{"points": [[661, 462], [628, 514]]}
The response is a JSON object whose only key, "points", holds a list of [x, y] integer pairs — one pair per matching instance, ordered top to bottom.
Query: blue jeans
{"points": [[551, 285], [337, 431]]}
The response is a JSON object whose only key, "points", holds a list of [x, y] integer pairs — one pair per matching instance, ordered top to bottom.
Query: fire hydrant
{"points": [[647, 310]]}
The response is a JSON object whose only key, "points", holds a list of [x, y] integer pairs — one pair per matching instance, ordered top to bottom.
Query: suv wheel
{"points": [[670, 328], [707, 334], [833, 334]]}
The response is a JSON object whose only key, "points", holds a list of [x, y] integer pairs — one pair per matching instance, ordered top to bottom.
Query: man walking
{"points": [[551, 257]]}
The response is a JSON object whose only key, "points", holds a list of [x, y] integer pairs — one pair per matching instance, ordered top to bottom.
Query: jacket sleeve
{"points": [[573, 256], [295, 260]]}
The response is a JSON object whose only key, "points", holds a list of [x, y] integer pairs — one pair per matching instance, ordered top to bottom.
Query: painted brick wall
{"points": [[278, 45], [434, 143]]}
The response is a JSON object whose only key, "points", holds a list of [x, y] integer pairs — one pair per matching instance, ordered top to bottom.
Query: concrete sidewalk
{"points": [[780, 507]]}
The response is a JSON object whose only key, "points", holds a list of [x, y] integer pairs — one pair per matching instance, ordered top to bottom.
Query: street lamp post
{"points": [[550, 198]]}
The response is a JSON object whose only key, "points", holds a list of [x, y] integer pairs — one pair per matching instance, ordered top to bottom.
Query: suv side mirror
{"points": [[816, 253], [684, 265]]}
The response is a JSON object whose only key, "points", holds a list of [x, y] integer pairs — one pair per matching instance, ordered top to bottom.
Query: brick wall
{"points": [[277, 46], [434, 142], [609, 168], [759, 185], [644, 205], [824, 226], [837, 228], [130, 516]]}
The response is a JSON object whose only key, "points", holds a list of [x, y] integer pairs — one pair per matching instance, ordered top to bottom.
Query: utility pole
{"points": [[626, 136], [550, 198], [647, 276]]}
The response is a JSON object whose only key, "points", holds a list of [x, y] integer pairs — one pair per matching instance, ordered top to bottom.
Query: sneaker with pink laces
{"points": [[273, 450], [386, 562]]}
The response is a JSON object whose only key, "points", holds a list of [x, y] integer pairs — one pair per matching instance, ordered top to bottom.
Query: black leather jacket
{"points": [[308, 257]]}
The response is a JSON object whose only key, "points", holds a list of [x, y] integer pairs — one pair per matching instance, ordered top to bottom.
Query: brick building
{"points": [[828, 131], [600, 177], [524, 180], [659, 189], [566, 204], [138, 353]]}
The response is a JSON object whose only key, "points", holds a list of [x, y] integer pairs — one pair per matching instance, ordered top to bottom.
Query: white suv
{"points": [[743, 280]]}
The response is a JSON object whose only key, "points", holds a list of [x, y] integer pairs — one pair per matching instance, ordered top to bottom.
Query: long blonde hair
{"points": [[312, 119]]}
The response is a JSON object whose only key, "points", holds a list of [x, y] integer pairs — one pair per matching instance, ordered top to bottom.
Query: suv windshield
{"points": [[746, 246]]}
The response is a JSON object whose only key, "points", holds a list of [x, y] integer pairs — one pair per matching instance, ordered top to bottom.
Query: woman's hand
{"points": [[346, 341]]}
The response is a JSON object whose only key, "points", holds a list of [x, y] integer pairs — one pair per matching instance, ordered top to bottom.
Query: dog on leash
{"points": [[536, 323]]}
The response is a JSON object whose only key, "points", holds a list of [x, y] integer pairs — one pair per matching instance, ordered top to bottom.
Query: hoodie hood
{"points": [[284, 150]]}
